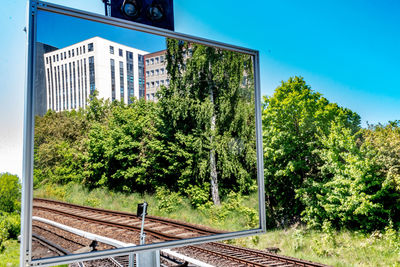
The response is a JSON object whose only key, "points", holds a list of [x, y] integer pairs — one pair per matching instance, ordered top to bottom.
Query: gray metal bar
{"points": [[44, 6], [29, 128], [259, 140], [27, 165], [124, 251]]}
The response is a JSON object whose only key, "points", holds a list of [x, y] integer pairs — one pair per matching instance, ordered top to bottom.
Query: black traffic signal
{"points": [[158, 13]]}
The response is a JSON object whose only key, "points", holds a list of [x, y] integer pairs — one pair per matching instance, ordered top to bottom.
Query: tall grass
{"points": [[335, 248], [10, 256]]}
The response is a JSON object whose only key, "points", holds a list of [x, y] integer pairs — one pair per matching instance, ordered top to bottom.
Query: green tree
{"points": [[208, 118], [292, 119], [60, 146], [124, 149], [355, 192], [10, 193]]}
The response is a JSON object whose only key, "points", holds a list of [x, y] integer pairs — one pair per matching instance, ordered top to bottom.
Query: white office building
{"points": [[72, 73]]}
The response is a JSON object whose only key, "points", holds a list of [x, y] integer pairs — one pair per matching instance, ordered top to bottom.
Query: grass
{"points": [[336, 248], [10, 256]]}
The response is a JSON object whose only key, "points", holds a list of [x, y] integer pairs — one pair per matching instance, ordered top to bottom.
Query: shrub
{"points": [[10, 192], [198, 195], [168, 201]]}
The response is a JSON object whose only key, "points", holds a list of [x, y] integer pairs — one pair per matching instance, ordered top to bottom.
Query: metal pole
{"points": [[106, 3], [142, 233]]}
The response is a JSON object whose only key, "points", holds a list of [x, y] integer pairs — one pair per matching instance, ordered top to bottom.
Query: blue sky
{"points": [[347, 50]]}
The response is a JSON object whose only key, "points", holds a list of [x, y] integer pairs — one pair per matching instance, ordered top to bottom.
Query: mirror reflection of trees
{"points": [[197, 140]]}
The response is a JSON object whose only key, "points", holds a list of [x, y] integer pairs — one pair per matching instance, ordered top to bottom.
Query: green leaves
{"points": [[293, 118], [10, 193]]}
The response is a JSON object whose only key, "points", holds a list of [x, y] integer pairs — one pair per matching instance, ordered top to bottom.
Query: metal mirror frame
{"points": [[27, 172]]}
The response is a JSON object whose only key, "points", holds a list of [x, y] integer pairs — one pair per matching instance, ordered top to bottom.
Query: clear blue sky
{"points": [[347, 50]]}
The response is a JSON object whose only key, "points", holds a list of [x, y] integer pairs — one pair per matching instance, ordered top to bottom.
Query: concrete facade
{"points": [[116, 71], [156, 73]]}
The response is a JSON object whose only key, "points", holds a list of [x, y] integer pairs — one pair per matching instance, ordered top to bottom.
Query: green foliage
{"points": [[208, 113], [292, 119], [59, 147], [124, 151], [353, 191], [10, 193], [198, 195], [168, 201], [233, 207], [10, 225], [10, 256]]}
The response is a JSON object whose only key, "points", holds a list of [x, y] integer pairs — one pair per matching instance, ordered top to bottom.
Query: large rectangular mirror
{"points": [[128, 123]]}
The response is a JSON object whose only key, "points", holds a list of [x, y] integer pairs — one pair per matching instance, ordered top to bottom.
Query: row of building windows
{"points": [[70, 53], [155, 60], [155, 72], [157, 83], [67, 91], [150, 96]]}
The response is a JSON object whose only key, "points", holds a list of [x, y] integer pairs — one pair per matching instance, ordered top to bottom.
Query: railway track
{"points": [[116, 224], [160, 228], [228, 255]]}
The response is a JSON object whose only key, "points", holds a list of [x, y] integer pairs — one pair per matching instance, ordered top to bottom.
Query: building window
{"points": [[90, 47], [84, 49], [111, 49], [80, 50], [77, 51], [69, 53], [73, 53], [121, 53], [65, 55], [62, 56], [57, 57], [54, 58], [140, 58], [161, 59], [47, 60], [157, 60], [152, 61], [147, 62], [112, 66], [162, 71], [157, 72], [147, 73], [152, 73], [91, 75], [129, 75], [74, 77], [141, 77], [121, 80], [79, 81], [85, 81], [167, 81], [162, 82], [152, 84], [157, 84], [63, 85], [66, 85], [147, 85], [70, 86], [59, 87], [147, 96], [152, 96]]}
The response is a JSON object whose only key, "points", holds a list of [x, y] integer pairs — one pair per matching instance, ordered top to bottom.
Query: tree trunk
{"points": [[213, 163]]}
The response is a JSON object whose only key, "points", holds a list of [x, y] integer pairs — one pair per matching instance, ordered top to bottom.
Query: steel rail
{"points": [[151, 218], [163, 236]]}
